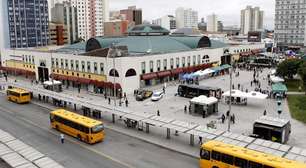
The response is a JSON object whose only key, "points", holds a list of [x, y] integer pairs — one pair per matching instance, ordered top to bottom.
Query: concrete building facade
{"points": [[65, 13], [132, 14], [91, 16], [186, 18], [251, 19], [167, 22], [28, 23], [212, 23], [290, 24], [116, 27], [58, 34]]}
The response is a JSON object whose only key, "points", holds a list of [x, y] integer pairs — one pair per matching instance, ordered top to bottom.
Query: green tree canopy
{"points": [[288, 68], [302, 73]]}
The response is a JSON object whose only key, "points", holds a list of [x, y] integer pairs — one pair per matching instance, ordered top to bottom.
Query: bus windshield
{"points": [[97, 128]]}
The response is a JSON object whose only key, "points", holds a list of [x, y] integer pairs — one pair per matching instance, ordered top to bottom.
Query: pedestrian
{"points": [[5, 75], [251, 83], [238, 86], [79, 89], [164, 90], [105, 96], [109, 100], [126, 103], [185, 109], [265, 112], [158, 114], [227, 114], [223, 118], [233, 118], [62, 137], [200, 140]]}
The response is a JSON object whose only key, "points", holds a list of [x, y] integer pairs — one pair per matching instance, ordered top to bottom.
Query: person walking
{"points": [[164, 89], [109, 100], [126, 103], [185, 109], [265, 112], [158, 114], [227, 114], [223, 118], [233, 118], [62, 137], [200, 140]]}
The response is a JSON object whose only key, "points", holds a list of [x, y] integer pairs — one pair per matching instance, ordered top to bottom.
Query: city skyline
{"points": [[228, 16]]}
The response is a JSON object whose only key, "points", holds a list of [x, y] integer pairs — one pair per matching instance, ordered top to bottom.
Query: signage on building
{"points": [[254, 36]]}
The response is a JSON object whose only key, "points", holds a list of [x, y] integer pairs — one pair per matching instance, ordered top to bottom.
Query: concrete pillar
{"points": [[113, 118], [147, 127], [168, 133], [191, 139]]}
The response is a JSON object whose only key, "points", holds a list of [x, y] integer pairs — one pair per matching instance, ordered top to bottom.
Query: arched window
{"points": [[113, 72], [130, 72]]}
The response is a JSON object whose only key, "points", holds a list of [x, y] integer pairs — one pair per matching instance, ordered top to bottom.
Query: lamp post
{"points": [[230, 97]]}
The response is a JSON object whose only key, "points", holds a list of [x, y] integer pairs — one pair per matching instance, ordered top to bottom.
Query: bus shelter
{"points": [[204, 105]]}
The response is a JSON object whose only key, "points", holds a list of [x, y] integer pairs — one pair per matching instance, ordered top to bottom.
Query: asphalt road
{"points": [[30, 123]]}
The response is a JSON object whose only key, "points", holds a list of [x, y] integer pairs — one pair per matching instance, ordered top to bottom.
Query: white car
{"points": [[157, 96]]}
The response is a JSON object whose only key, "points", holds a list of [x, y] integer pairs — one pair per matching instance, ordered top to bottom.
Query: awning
{"points": [[177, 71], [163, 74], [148, 76], [73, 78], [84, 81], [98, 83], [112, 85]]}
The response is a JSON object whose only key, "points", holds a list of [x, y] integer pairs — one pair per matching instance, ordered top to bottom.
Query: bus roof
{"points": [[200, 87], [18, 90], [85, 121], [272, 121], [248, 154]]}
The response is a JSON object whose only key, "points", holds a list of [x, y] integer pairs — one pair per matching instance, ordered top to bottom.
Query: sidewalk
{"points": [[296, 93]]}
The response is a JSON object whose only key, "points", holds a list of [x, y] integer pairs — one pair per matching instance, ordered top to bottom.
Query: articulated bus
{"points": [[18, 95], [83, 128], [215, 154]]}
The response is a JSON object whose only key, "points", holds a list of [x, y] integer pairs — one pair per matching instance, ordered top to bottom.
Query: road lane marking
{"points": [[68, 139]]}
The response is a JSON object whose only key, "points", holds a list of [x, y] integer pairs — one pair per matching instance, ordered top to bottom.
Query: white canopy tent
{"points": [[276, 79], [54, 82], [235, 93], [251, 95], [203, 100], [204, 105]]}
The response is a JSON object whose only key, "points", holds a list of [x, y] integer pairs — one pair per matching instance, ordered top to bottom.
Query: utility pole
{"points": [[230, 97]]}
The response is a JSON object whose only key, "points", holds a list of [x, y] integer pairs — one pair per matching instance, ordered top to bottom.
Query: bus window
{"points": [[25, 94], [97, 129], [205, 154], [216, 155], [227, 159], [242, 163], [254, 165], [268, 166]]}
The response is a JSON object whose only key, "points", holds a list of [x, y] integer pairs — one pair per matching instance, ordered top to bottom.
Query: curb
{"points": [[129, 135]]}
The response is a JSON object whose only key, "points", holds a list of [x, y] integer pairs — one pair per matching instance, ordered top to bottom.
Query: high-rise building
{"points": [[65, 13], [132, 14], [91, 16], [186, 18], [251, 19], [290, 20], [167, 22], [28, 23], [212, 23], [202, 25], [220, 26], [116, 27], [4, 28], [58, 34]]}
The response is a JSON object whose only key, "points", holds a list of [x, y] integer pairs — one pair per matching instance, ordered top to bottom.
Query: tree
{"points": [[288, 68], [302, 73]]}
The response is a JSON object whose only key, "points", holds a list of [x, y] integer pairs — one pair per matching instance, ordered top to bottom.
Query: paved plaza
{"points": [[172, 106]]}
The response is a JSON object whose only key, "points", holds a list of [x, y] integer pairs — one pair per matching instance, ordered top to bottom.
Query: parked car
{"points": [[143, 94], [157, 96]]}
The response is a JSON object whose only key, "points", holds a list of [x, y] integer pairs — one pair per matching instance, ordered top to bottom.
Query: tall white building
{"points": [[91, 16], [186, 18], [251, 19], [167, 22], [212, 23], [290, 24], [4, 26]]}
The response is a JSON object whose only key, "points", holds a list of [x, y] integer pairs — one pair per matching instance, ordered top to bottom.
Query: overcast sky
{"points": [[228, 11]]}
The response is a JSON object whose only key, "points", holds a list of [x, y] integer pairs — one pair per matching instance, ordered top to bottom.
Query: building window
{"points": [[199, 59], [33, 60], [188, 60], [194, 60], [177, 62], [183, 62], [56, 63], [62, 63], [171, 63], [66, 64], [165, 64], [71, 65], [77, 65], [158, 65], [83, 66], [151, 66], [88, 67], [95, 67], [143, 67], [101, 68]]}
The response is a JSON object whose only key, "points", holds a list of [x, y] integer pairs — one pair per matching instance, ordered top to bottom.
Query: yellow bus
{"points": [[18, 95], [83, 128], [215, 154]]}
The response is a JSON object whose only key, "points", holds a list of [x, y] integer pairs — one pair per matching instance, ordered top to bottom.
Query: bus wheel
{"points": [[79, 137], [215, 167]]}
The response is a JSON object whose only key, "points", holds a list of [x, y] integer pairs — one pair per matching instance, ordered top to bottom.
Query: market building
{"points": [[147, 56]]}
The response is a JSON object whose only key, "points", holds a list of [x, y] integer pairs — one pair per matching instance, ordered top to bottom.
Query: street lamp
{"points": [[114, 55], [230, 97]]}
